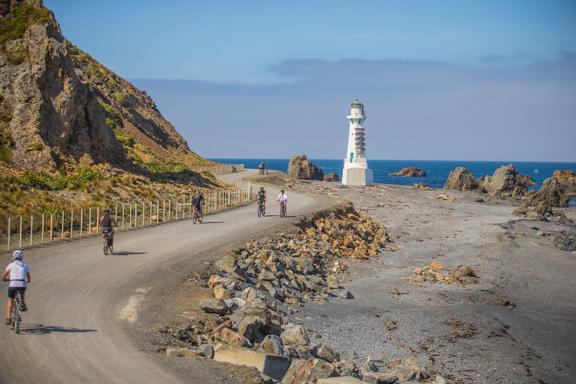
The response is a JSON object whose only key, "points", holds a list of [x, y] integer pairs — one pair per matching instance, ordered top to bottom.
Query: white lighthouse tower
{"points": [[356, 170]]}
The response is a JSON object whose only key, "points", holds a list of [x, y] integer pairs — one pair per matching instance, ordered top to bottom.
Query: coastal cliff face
{"points": [[59, 107]]}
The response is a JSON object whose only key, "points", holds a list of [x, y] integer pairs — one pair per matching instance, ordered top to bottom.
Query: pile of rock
{"points": [[301, 168], [409, 172], [331, 177], [461, 179], [565, 241], [437, 272], [247, 319]]}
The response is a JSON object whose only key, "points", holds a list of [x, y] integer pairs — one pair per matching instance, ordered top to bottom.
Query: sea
{"points": [[437, 170]]}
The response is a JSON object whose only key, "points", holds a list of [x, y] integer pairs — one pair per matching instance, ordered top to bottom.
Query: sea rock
{"points": [[302, 168], [409, 172], [331, 177], [461, 179], [506, 181], [556, 190], [565, 241], [214, 306], [307, 371]]}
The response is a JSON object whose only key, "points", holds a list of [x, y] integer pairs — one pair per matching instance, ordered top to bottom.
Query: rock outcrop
{"points": [[59, 107], [302, 168], [409, 172], [331, 177], [461, 179], [506, 181], [556, 190]]}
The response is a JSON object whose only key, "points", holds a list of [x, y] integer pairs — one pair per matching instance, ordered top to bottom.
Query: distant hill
{"points": [[60, 109]]}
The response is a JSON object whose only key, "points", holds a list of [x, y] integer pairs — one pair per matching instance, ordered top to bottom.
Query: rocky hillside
{"points": [[62, 109]]}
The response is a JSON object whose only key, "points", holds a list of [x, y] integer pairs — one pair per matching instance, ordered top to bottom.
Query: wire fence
{"points": [[219, 169], [45, 227]]}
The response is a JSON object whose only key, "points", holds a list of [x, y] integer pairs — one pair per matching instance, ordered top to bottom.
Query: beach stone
{"points": [[331, 177], [461, 179], [226, 264], [266, 276], [215, 280], [332, 281], [221, 293], [249, 294], [346, 295], [211, 305], [257, 308], [249, 327], [294, 335], [228, 336], [272, 344], [207, 350], [324, 352], [348, 356], [274, 366], [307, 371]]}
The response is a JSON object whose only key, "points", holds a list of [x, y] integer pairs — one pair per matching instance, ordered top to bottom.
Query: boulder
{"points": [[301, 168], [409, 172], [331, 177], [461, 179], [506, 180], [556, 190], [226, 264], [221, 293], [214, 306], [249, 327], [294, 335], [228, 336], [272, 344], [207, 351], [183, 352], [324, 352], [271, 365], [308, 371]]}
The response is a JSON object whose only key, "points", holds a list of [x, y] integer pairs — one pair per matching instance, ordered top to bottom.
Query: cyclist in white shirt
{"points": [[282, 199], [18, 273]]}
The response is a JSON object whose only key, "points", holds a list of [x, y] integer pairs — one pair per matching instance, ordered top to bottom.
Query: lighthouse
{"points": [[356, 170]]}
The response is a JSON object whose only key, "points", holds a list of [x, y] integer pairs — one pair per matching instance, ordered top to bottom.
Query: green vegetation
{"points": [[24, 15], [18, 56], [121, 98], [5, 118], [124, 137], [34, 147], [78, 180]]}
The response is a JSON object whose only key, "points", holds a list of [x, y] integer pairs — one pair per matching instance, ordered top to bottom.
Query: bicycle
{"points": [[261, 209], [283, 209], [198, 216], [108, 241], [17, 311]]}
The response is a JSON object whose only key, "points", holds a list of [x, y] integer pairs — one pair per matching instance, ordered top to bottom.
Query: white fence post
{"points": [[157, 211], [143, 214], [122, 216], [97, 219], [89, 220], [81, 221], [71, 222], [51, 226], [62, 227], [9, 228], [31, 229], [20, 235], [42, 236]]}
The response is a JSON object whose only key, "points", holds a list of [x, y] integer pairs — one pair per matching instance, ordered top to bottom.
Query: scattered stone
{"points": [[409, 172], [421, 187], [446, 197], [565, 241], [226, 264], [436, 272], [221, 293], [346, 295], [504, 303], [214, 306], [294, 335], [228, 336], [272, 344], [207, 350], [183, 352], [324, 352], [348, 356], [274, 366], [307, 371], [339, 380]]}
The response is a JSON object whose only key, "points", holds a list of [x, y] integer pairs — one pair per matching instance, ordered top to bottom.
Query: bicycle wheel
{"points": [[259, 210], [195, 218], [16, 314]]}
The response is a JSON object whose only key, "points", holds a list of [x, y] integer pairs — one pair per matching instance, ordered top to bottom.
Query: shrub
{"points": [[23, 16], [18, 56], [121, 98], [34, 147], [84, 176]]}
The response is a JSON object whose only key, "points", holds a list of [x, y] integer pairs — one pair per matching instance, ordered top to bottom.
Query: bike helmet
{"points": [[261, 188], [106, 211], [17, 255]]}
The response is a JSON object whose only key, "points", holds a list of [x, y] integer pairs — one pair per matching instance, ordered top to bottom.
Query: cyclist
{"points": [[261, 197], [282, 199], [197, 201], [108, 223], [18, 273]]}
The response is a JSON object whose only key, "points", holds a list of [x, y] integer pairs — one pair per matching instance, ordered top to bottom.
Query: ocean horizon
{"points": [[437, 170]]}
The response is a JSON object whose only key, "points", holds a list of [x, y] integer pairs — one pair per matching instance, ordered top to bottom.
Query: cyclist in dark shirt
{"points": [[197, 201], [107, 223]]}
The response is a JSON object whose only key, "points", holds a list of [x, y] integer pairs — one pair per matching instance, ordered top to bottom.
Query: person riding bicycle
{"points": [[262, 168], [261, 196], [282, 199], [197, 201], [108, 223], [18, 273]]}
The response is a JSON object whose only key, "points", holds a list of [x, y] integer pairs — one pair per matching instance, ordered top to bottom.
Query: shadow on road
{"points": [[212, 222], [126, 253], [40, 329]]}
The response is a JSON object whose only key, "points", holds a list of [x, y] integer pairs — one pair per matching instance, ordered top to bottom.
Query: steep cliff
{"points": [[61, 109]]}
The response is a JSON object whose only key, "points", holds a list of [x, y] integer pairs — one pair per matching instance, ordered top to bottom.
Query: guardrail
{"points": [[45, 227]]}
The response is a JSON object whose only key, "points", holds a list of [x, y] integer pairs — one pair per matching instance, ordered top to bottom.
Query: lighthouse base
{"points": [[357, 176]]}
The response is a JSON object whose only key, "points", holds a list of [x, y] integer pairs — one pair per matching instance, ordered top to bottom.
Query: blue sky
{"points": [[478, 80]]}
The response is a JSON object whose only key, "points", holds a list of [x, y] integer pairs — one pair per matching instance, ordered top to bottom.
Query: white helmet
{"points": [[17, 254]]}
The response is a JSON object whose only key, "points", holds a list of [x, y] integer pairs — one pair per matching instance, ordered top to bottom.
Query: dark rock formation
{"points": [[60, 107], [302, 168], [409, 172], [332, 177], [461, 179], [556, 190], [565, 241]]}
